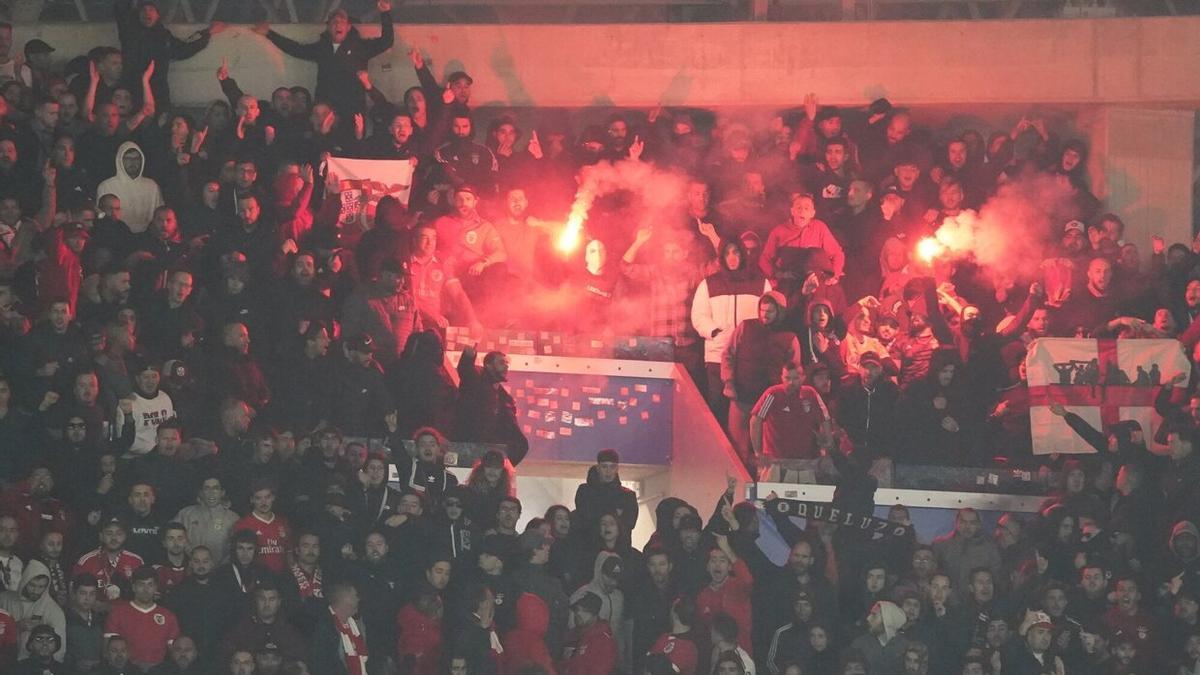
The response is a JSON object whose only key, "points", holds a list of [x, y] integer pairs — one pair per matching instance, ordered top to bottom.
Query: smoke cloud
{"points": [[1008, 235]]}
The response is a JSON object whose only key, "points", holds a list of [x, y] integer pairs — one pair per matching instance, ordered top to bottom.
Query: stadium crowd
{"points": [[207, 376]]}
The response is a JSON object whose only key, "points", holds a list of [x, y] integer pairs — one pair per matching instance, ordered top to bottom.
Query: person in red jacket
{"points": [[728, 590], [419, 634], [526, 643], [595, 650]]}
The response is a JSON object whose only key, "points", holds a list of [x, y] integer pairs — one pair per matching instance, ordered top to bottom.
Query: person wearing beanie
{"points": [[753, 361], [603, 493], [882, 644]]}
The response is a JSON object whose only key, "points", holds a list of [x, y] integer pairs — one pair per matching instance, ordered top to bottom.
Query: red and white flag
{"points": [[365, 181], [1102, 381]]}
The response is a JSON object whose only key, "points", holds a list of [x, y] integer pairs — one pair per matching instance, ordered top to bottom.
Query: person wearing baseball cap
{"points": [[595, 651], [1032, 654]]}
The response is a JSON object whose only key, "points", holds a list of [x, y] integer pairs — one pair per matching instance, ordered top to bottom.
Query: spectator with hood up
{"points": [[139, 195]]}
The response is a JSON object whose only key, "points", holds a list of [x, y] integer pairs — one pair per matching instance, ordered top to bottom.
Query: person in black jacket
{"points": [[145, 40], [340, 53], [360, 399], [487, 413], [603, 493], [202, 605], [340, 635]]}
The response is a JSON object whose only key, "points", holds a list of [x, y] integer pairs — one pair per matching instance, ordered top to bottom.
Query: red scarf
{"points": [[309, 588], [354, 645]]}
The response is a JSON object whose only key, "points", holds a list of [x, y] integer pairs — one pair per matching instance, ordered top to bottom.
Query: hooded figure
{"points": [[139, 195], [726, 298], [1185, 555], [605, 584], [32, 599], [525, 644], [882, 645]]}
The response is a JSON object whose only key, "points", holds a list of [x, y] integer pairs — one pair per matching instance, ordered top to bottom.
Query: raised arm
{"points": [[387, 32], [308, 51]]}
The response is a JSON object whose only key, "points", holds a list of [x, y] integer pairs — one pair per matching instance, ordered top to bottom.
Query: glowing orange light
{"points": [[571, 236], [929, 248]]}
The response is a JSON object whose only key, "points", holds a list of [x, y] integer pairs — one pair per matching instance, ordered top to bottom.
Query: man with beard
{"points": [[465, 162], [829, 180], [472, 249], [112, 295], [752, 361], [487, 413], [36, 513], [144, 522], [110, 564], [303, 583], [382, 584], [30, 605], [201, 605], [183, 658]]}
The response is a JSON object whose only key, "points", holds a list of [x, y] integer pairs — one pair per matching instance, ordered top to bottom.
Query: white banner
{"points": [[365, 181]]}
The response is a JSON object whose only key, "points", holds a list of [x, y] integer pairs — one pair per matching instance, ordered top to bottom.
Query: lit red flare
{"points": [[571, 236], [930, 248]]}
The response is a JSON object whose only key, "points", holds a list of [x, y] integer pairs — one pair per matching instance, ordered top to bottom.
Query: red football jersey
{"points": [[274, 539], [97, 564], [169, 577], [148, 632], [681, 651]]}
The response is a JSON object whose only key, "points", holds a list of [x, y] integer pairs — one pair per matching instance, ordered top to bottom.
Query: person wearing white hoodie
{"points": [[139, 195], [32, 601], [882, 645]]}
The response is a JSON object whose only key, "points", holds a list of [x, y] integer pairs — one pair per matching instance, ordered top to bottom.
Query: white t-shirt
{"points": [[148, 413]]}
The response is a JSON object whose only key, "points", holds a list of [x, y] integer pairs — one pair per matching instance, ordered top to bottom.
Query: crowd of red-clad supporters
{"points": [[198, 358]]}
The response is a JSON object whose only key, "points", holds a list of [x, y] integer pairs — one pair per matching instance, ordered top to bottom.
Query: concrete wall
{"points": [[1132, 61]]}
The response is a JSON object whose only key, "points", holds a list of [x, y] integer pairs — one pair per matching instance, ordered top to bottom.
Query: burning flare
{"points": [[572, 233], [930, 248]]}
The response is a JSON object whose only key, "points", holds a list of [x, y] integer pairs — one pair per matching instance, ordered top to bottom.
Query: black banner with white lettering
{"points": [[877, 527]]}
